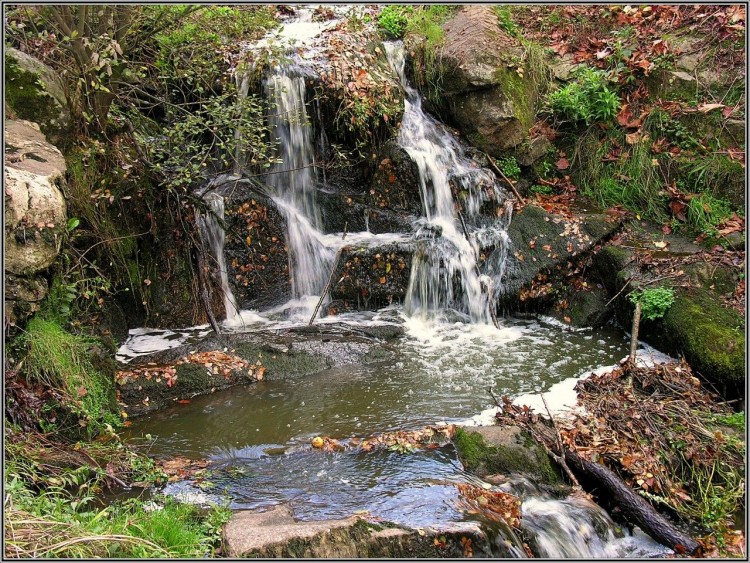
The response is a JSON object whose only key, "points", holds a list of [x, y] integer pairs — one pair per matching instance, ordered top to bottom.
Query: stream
{"points": [[257, 437]]}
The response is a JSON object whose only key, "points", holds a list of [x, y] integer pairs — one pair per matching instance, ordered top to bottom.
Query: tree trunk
{"points": [[635, 508]]}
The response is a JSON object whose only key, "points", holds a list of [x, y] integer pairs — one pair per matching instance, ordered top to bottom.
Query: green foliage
{"points": [[505, 17], [394, 20], [191, 53], [587, 99], [207, 135], [509, 166], [541, 189], [705, 213], [654, 301], [63, 361]]}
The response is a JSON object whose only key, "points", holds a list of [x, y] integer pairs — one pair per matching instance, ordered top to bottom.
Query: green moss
{"points": [[519, 91], [27, 96], [710, 336], [64, 362], [481, 458]]}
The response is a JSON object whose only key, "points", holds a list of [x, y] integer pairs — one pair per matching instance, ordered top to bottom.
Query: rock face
{"points": [[487, 80], [35, 92], [35, 216], [543, 244], [255, 251], [371, 278], [276, 534]]}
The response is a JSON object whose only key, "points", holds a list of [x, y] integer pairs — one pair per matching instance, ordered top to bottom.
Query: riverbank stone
{"points": [[489, 450], [275, 533]]}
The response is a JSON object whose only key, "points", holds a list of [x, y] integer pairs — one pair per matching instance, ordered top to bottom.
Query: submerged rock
{"points": [[272, 356]]}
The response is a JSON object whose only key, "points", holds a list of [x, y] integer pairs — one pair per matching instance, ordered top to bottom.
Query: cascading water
{"points": [[294, 183], [213, 235], [445, 274]]}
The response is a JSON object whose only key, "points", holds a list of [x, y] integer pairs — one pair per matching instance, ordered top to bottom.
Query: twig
{"points": [[504, 177], [330, 279], [560, 459]]}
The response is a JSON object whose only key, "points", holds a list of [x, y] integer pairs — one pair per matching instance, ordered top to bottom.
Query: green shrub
{"points": [[394, 20], [587, 99], [509, 166], [541, 189], [654, 301]]}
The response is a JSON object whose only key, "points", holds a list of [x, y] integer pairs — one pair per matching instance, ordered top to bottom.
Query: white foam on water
{"points": [[143, 341], [561, 397]]}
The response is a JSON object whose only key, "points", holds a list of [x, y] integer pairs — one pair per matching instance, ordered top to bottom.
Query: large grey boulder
{"points": [[491, 88], [36, 92], [35, 211], [35, 217]]}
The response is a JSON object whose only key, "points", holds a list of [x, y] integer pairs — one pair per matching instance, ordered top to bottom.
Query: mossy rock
{"points": [[35, 92], [609, 264], [711, 337], [486, 450]]}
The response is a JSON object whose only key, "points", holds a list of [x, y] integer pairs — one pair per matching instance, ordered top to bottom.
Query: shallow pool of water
{"points": [[437, 372]]}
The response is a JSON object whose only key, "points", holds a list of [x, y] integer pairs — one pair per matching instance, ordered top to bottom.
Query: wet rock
{"points": [[35, 92], [486, 96], [395, 184], [385, 202], [542, 246], [255, 250], [371, 278], [23, 297], [586, 308], [697, 325], [709, 336], [489, 450], [275, 533]]}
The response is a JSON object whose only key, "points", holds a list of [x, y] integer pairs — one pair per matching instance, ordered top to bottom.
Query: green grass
{"points": [[632, 181], [62, 361], [55, 525]]}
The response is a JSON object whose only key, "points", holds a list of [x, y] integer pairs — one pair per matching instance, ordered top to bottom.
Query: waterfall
{"points": [[294, 184], [213, 235], [445, 273]]}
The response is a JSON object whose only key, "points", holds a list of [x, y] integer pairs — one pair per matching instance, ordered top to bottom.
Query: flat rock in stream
{"points": [[293, 353], [276, 534]]}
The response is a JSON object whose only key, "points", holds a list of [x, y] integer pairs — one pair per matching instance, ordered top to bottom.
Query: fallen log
{"points": [[635, 508]]}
